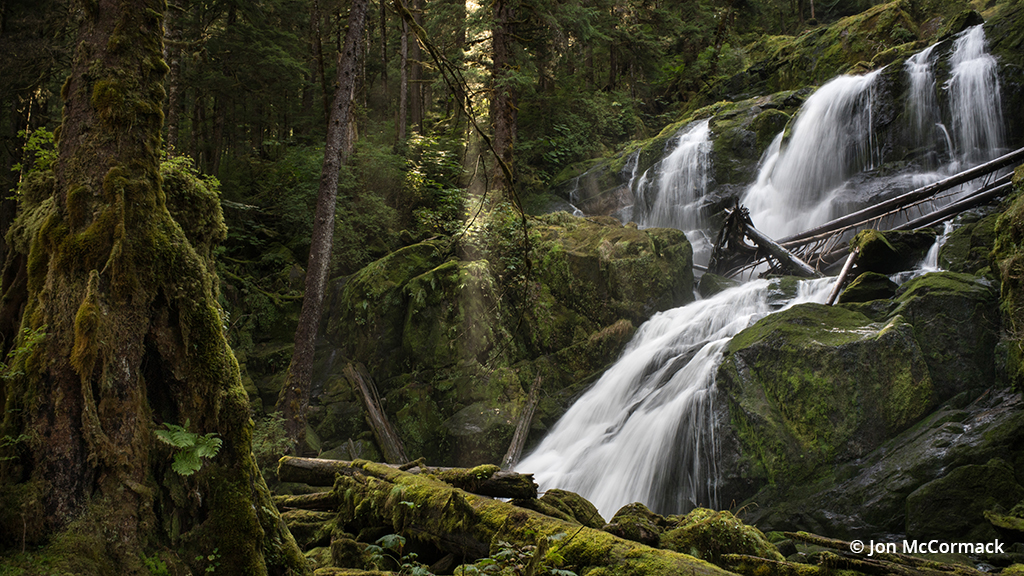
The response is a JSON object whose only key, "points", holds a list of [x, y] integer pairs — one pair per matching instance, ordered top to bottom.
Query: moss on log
{"points": [[464, 523]]}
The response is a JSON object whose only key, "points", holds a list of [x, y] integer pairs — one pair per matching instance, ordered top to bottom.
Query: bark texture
{"points": [[133, 340]]}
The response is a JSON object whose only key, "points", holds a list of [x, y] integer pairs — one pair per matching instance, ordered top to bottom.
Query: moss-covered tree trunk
{"points": [[504, 96], [134, 339]]}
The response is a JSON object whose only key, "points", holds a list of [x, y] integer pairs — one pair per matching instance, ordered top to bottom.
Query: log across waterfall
{"points": [[643, 432]]}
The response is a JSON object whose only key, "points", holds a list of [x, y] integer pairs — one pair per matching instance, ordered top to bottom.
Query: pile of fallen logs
{"points": [[454, 517]]}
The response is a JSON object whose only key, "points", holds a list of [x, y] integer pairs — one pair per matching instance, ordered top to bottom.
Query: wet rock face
{"points": [[828, 414], [872, 495]]}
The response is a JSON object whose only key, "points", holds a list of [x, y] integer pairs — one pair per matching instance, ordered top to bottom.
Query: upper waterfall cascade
{"points": [[645, 431]]}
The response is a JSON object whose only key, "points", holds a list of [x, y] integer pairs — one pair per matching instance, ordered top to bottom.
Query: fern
{"points": [[190, 447]]}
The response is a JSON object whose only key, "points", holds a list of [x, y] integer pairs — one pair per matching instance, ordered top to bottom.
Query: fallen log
{"points": [[887, 206], [798, 266], [842, 276], [387, 438], [515, 447], [487, 480], [320, 501], [429, 509]]}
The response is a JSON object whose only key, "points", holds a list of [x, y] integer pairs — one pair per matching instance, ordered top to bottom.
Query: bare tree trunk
{"points": [[172, 55], [403, 84], [504, 95], [294, 400]]}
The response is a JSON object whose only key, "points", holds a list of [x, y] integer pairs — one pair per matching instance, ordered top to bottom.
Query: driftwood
{"points": [[922, 193], [796, 265], [842, 275], [387, 438], [515, 448], [486, 480]]}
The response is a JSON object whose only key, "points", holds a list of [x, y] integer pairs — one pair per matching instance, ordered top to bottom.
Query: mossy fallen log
{"points": [[486, 480], [323, 501], [463, 523]]}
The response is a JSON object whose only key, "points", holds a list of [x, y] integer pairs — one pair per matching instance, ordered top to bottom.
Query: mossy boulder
{"points": [[968, 247], [891, 251], [1008, 258], [711, 284], [867, 287], [956, 323], [453, 341], [813, 385], [566, 505], [952, 507], [636, 522], [708, 534]]}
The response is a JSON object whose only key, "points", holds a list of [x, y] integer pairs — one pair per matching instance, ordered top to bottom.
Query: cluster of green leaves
{"points": [[38, 151], [433, 184], [270, 442], [190, 447], [387, 553], [518, 560]]}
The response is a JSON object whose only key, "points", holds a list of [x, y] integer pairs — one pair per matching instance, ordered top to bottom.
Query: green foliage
{"points": [[38, 151], [14, 368], [270, 442], [191, 447], [387, 554], [518, 560], [212, 561], [155, 565]]}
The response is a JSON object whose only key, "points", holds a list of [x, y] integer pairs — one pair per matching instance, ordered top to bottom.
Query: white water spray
{"points": [[975, 104], [831, 140], [670, 193], [644, 431]]}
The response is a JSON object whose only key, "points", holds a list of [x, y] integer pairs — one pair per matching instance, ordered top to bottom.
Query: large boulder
{"points": [[455, 335], [814, 385]]}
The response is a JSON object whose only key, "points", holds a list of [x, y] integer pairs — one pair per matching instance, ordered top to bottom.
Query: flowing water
{"points": [[974, 99], [801, 184], [670, 193], [645, 431]]}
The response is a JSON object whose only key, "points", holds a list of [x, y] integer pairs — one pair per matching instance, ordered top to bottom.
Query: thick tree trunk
{"points": [[172, 54], [133, 338], [294, 399]]}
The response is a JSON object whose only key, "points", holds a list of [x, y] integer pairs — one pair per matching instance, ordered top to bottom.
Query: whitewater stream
{"points": [[644, 431]]}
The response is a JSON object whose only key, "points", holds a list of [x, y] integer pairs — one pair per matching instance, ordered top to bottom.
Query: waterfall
{"points": [[922, 105], [975, 105], [830, 141], [669, 194], [643, 432]]}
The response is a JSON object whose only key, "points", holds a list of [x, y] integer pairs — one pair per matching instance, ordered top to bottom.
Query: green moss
{"points": [[708, 534]]}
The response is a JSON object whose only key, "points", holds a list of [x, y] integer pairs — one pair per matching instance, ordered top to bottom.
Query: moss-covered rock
{"points": [[968, 247], [891, 251], [1008, 257], [867, 287], [956, 323], [455, 337], [816, 384], [566, 505], [952, 507], [637, 523], [708, 534]]}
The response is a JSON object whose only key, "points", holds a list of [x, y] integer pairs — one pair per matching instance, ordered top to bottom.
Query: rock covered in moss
{"points": [[968, 247], [891, 251], [711, 284], [867, 287], [956, 323], [454, 341], [813, 384], [567, 505], [952, 507], [637, 523], [708, 534]]}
